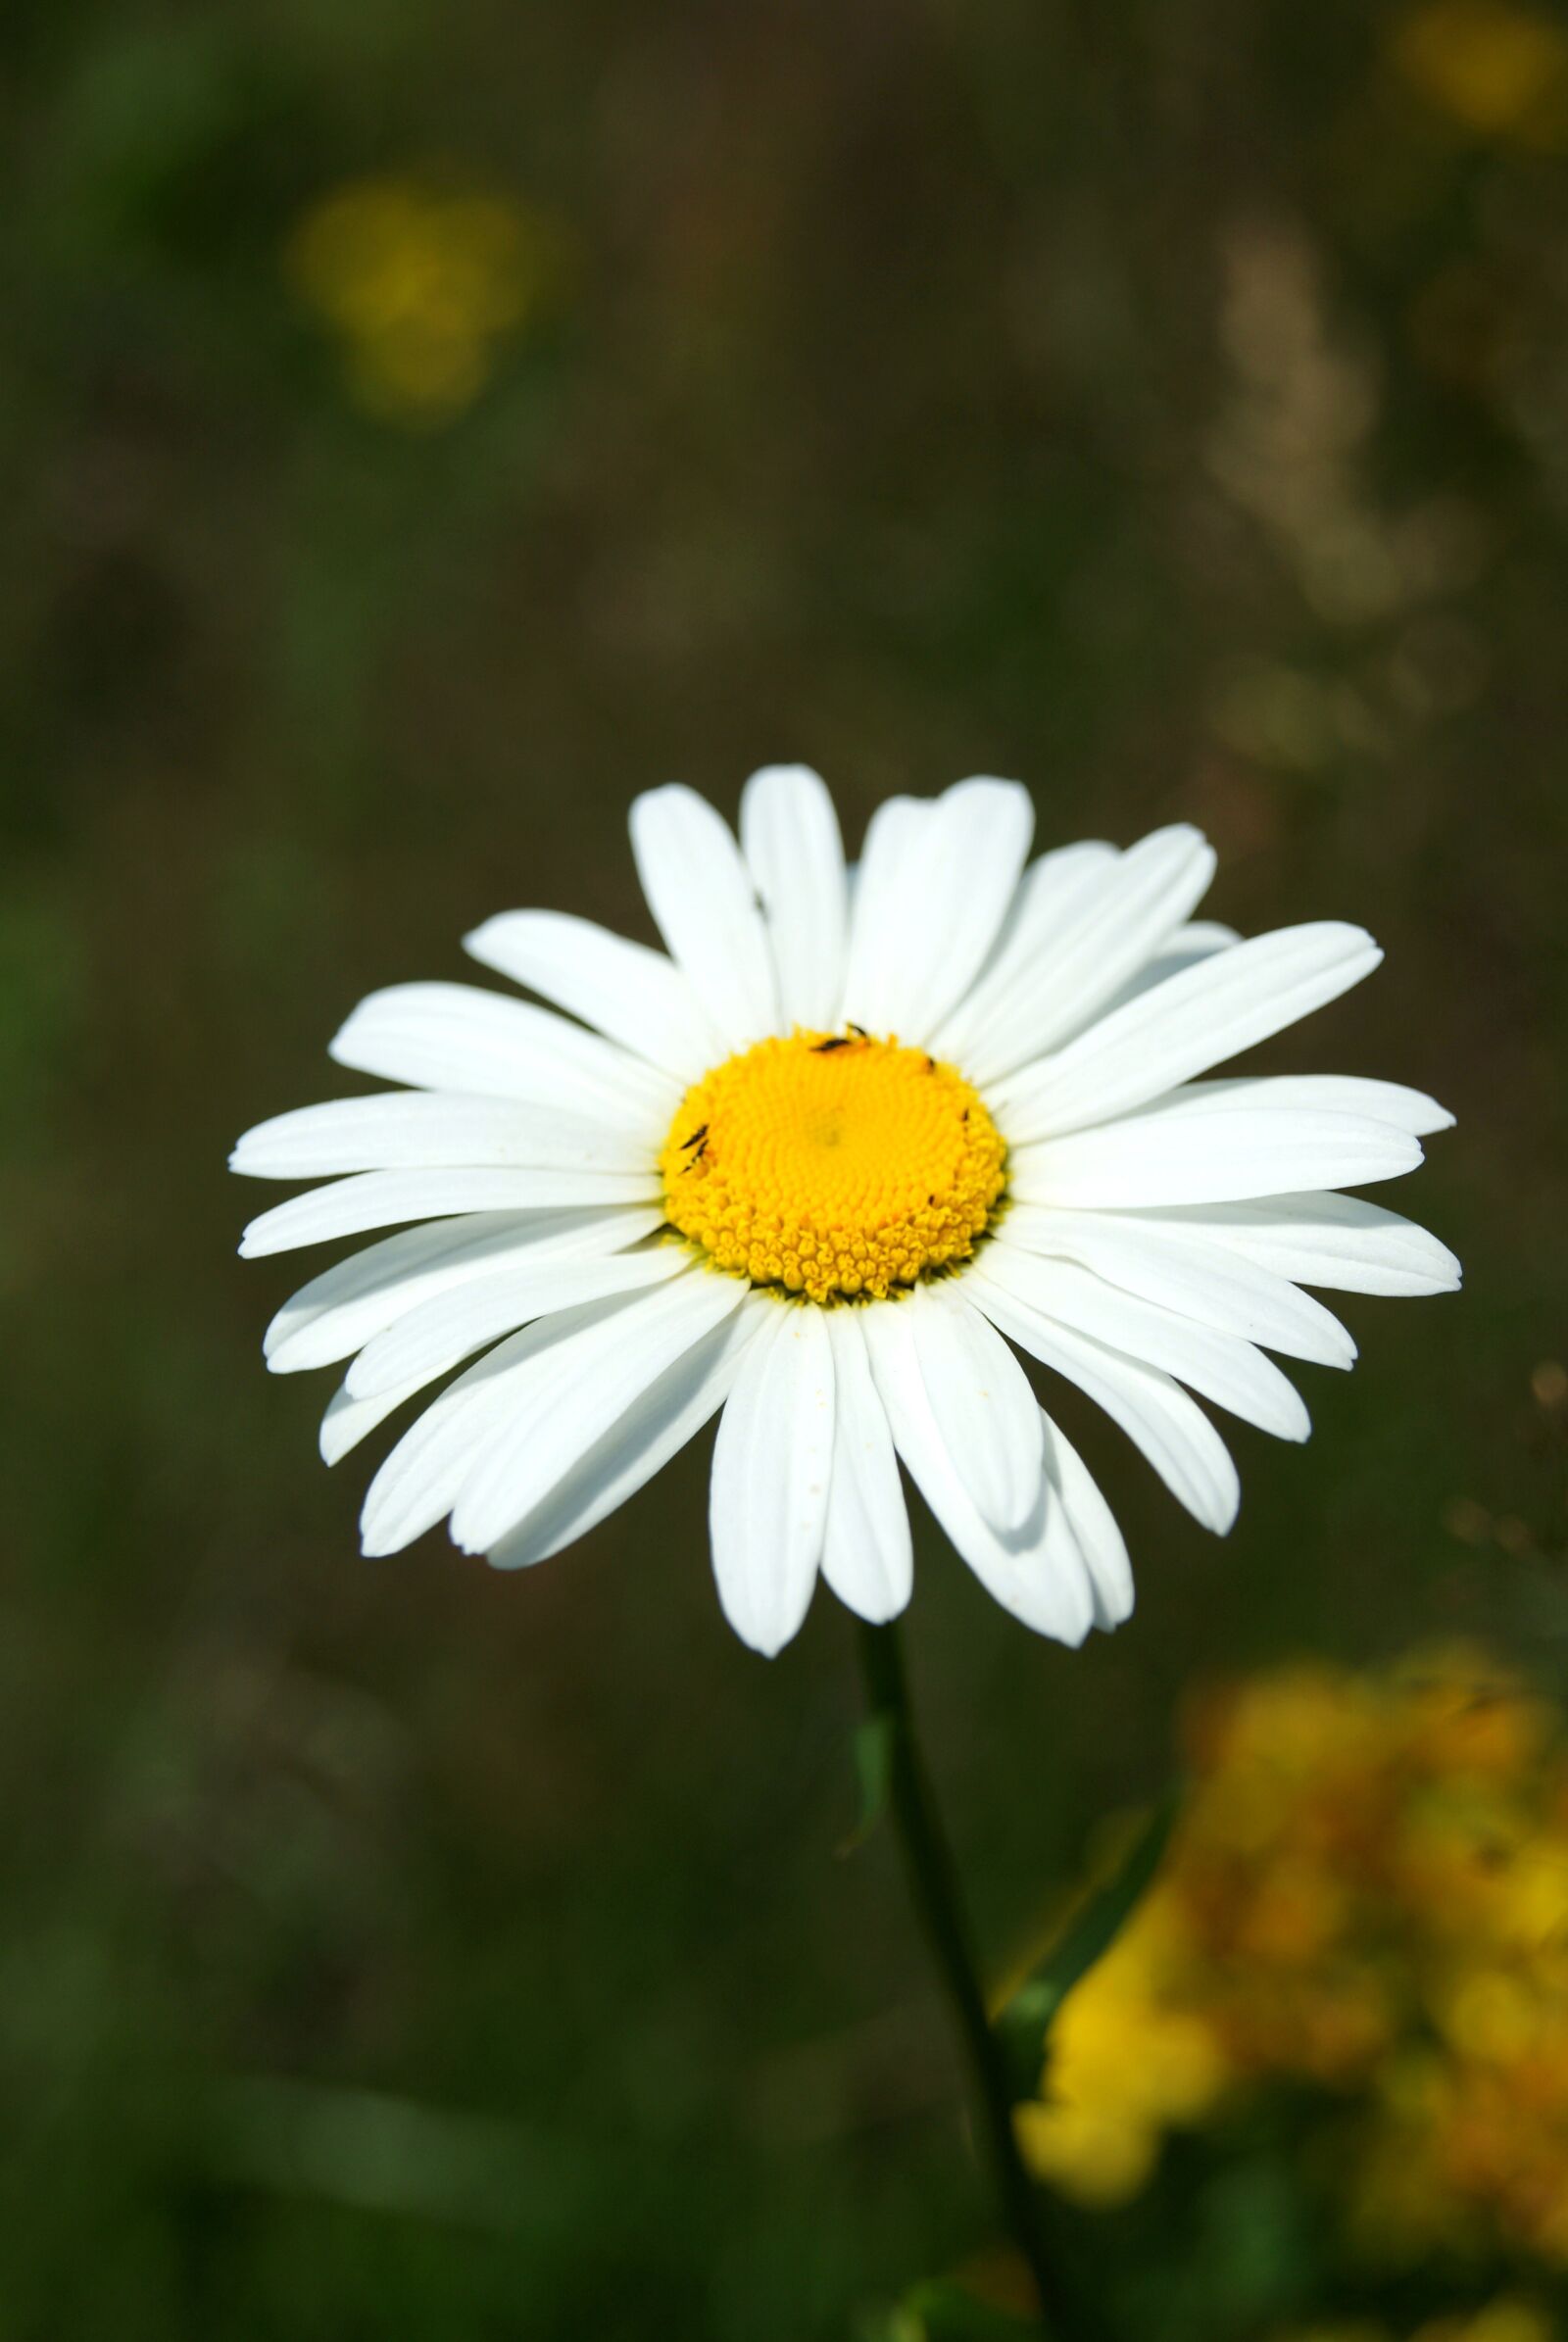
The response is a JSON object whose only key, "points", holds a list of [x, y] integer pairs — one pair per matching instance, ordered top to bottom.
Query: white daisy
{"points": [[817, 1167]]}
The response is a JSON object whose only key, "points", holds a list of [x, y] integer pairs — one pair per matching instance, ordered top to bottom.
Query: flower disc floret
{"points": [[833, 1165]]}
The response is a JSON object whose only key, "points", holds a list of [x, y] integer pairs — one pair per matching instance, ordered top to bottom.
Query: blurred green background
{"points": [[422, 426]]}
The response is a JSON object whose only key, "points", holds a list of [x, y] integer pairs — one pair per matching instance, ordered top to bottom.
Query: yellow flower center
{"points": [[832, 1165]]}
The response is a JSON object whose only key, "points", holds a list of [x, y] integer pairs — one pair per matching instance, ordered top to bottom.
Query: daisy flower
{"points": [[824, 1167]]}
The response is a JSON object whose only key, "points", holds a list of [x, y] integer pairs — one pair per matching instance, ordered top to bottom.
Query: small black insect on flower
{"points": [[840, 1041]]}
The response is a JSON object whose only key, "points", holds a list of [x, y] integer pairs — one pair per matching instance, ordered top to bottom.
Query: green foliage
{"points": [[873, 1749], [1023, 2025], [944, 2311]]}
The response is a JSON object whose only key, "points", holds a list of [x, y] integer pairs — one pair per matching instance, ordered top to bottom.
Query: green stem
{"points": [[934, 1890]]}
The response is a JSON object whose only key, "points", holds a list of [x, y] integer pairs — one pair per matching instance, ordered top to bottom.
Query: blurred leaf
{"points": [[873, 1772], [1023, 2024], [389, 2154], [942, 2311], [949, 2313]]}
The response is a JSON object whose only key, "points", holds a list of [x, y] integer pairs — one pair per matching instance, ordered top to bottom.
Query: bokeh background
{"points": [[421, 428]]}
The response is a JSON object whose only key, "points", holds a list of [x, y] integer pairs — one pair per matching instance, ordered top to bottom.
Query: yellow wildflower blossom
{"points": [[1498, 69], [421, 286], [1367, 1892], [1127, 2064]]}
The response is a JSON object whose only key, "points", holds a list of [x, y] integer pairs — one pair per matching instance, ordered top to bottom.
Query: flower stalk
{"points": [[935, 1892]]}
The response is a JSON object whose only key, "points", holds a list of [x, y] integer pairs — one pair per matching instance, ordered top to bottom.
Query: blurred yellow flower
{"points": [[1500, 69], [420, 287], [1367, 1892], [1127, 2064], [1500, 2321]]}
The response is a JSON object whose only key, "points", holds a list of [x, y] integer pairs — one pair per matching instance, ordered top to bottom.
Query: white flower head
{"points": [[817, 1166]]}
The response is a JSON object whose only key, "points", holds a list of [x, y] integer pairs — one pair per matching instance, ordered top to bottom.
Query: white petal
{"points": [[790, 837], [891, 851], [701, 895], [1045, 902], [1118, 920], [937, 924], [1198, 939], [638, 997], [1223, 1004], [456, 1037], [1331, 1093], [422, 1130], [1209, 1158], [381, 1199], [1337, 1240], [1186, 1273], [340, 1310], [445, 1330], [1220, 1366], [593, 1379], [980, 1395], [671, 1412], [349, 1420], [1169, 1428], [418, 1482], [767, 1500], [1092, 1524], [867, 1555], [1036, 1571]]}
